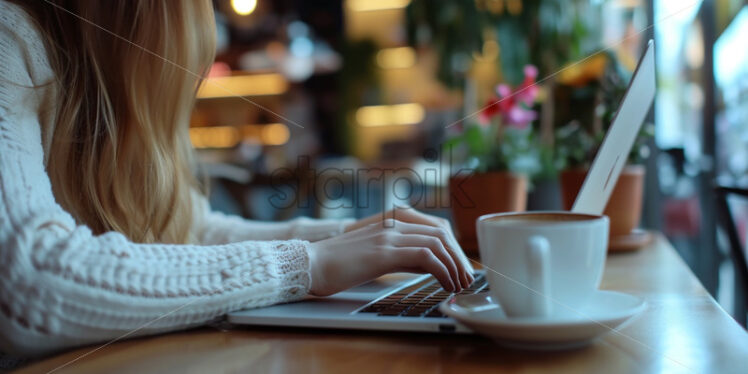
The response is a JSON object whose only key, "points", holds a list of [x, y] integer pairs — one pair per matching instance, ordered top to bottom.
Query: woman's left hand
{"points": [[411, 215]]}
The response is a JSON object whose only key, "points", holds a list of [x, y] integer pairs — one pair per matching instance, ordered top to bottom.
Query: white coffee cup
{"points": [[540, 263]]}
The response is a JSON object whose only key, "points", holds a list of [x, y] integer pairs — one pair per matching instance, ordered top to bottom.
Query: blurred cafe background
{"points": [[336, 109]]}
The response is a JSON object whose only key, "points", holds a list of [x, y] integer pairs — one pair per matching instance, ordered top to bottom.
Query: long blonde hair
{"points": [[120, 155]]}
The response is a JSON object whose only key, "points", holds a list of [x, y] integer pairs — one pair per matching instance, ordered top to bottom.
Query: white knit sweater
{"points": [[62, 286]]}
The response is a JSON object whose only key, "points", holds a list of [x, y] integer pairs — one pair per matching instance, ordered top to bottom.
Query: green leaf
{"points": [[475, 140]]}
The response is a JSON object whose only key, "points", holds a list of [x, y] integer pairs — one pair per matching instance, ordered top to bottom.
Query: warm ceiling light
{"points": [[369, 5], [244, 7], [396, 58], [243, 85], [385, 115], [266, 134], [275, 134], [230, 136], [214, 137]]}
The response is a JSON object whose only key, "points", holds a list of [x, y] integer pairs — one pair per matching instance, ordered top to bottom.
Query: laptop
{"points": [[409, 302]]}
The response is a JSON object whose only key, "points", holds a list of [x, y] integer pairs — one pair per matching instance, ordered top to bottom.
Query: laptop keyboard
{"points": [[420, 299]]}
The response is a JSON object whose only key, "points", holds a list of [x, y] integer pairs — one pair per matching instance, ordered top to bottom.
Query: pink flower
{"points": [[531, 72], [503, 90], [527, 92], [506, 99], [513, 106], [490, 110], [519, 117]]}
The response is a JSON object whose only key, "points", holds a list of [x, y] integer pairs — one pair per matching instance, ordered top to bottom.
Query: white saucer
{"points": [[567, 329]]}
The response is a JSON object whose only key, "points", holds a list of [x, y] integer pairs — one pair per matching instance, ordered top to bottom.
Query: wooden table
{"points": [[682, 330]]}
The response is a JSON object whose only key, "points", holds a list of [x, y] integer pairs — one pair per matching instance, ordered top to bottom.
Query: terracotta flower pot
{"points": [[474, 195], [625, 204]]}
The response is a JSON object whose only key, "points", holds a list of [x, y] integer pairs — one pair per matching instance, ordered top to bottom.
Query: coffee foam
{"points": [[540, 218]]}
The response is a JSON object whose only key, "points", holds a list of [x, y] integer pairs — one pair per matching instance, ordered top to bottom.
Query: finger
{"points": [[415, 217], [437, 248], [454, 251], [459, 255], [423, 258], [464, 260], [461, 270]]}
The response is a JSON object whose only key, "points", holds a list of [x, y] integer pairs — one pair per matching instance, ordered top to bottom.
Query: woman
{"points": [[102, 231]]}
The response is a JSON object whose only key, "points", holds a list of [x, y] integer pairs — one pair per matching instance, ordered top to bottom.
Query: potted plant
{"points": [[576, 146], [498, 153]]}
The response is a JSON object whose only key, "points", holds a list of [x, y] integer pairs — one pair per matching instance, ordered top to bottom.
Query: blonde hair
{"points": [[120, 155]]}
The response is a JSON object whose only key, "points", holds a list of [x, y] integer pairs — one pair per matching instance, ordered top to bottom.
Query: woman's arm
{"points": [[217, 228], [61, 286]]}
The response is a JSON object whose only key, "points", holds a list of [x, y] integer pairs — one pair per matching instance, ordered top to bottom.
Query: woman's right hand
{"points": [[368, 252]]}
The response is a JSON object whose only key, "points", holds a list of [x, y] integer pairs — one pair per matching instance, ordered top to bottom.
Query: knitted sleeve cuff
{"points": [[293, 267]]}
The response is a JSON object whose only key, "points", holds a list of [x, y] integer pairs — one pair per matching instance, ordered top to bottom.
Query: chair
{"points": [[728, 201]]}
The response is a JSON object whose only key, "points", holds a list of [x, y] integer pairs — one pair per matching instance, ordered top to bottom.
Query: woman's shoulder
{"points": [[17, 23], [20, 38]]}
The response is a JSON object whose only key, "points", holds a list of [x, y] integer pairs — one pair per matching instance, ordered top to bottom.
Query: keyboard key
{"points": [[420, 299], [410, 301], [390, 313]]}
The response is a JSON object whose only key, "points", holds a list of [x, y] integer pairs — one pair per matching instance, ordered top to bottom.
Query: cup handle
{"points": [[539, 263]]}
